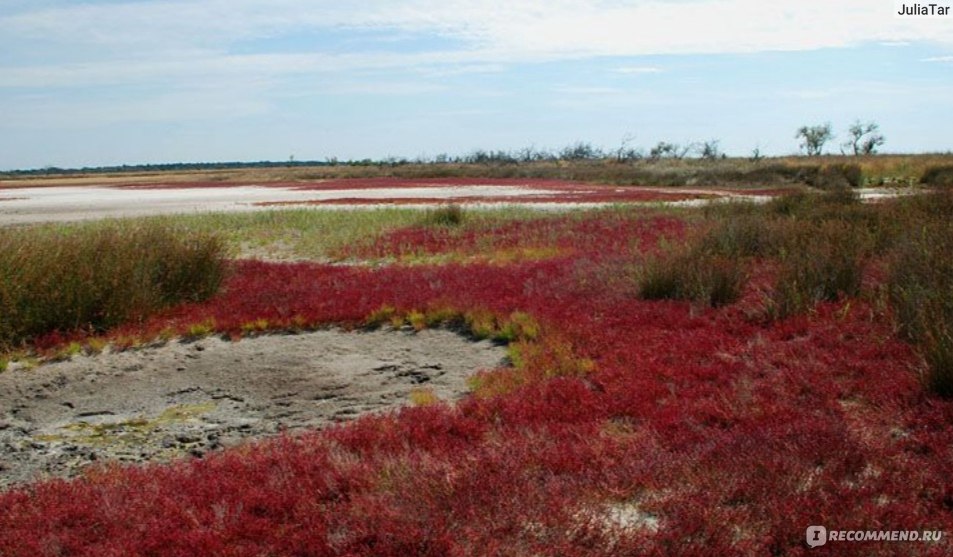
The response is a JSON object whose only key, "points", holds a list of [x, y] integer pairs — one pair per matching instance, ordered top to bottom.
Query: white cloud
{"points": [[502, 31], [146, 42], [200, 59], [941, 59], [204, 66]]}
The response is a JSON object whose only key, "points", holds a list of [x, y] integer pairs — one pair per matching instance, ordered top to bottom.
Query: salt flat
{"points": [[71, 203]]}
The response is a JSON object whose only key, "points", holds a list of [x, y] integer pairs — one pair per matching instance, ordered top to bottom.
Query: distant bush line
{"points": [[666, 164]]}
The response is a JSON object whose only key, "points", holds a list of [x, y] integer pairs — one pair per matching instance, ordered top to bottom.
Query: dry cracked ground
{"points": [[182, 399]]}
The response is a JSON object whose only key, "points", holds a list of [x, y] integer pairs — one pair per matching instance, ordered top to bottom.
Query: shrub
{"points": [[837, 175], [938, 175], [791, 204], [812, 205], [447, 215], [749, 235], [819, 263], [692, 274], [98, 277]]}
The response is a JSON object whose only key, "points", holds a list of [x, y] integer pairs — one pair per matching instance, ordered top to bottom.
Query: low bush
{"points": [[829, 175], [836, 175], [938, 175], [934, 205], [447, 215], [752, 235], [823, 242], [819, 263], [686, 273], [100, 276]]}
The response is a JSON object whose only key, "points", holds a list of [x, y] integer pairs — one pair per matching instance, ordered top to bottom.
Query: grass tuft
{"points": [[448, 215], [823, 263], [688, 273], [93, 278], [921, 293]]}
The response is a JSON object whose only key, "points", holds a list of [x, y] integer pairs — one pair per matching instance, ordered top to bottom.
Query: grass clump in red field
{"points": [[446, 215], [822, 246], [690, 273], [99, 277], [921, 290]]}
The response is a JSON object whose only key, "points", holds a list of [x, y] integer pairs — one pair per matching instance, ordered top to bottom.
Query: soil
{"points": [[182, 399]]}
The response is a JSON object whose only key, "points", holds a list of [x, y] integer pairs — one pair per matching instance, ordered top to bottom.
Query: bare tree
{"points": [[813, 138], [864, 138], [666, 150], [710, 150], [580, 151], [626, 153]]}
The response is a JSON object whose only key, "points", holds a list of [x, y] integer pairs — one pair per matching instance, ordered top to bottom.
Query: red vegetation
{"points": [[612, 234], [717, 433]]}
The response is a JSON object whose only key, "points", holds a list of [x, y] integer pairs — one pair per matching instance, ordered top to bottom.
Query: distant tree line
{"points": [[863, 139]]}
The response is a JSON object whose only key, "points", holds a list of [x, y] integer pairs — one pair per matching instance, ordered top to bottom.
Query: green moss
{"points": [[131, 432]]}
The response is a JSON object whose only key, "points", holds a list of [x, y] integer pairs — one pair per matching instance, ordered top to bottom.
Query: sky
{"points": [[108, 82]]}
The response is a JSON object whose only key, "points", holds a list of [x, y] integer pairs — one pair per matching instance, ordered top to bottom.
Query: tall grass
{"points": [[446, 215], [815, 237], [823, 244], [823, 262], [689, 273], [95, 277], [921, 292]]}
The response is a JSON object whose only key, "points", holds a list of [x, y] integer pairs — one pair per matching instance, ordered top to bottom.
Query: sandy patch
{"points": [[73, 203], [184, 399]]}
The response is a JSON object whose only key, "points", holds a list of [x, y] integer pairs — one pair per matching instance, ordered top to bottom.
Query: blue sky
{"points": [[102, 82]]}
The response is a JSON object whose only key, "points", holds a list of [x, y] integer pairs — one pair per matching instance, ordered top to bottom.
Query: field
{"points": [[680, 380]]}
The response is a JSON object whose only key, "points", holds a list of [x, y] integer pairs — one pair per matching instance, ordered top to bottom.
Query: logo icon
{"points": [[816, 536]]}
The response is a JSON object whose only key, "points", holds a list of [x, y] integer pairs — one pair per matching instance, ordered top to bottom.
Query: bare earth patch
{"points": [[184, 399]]}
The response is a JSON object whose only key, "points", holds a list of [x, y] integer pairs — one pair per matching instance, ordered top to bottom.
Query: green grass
{"points": [[293, 233], [289, 234], [95, 277], [921, 293]]}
